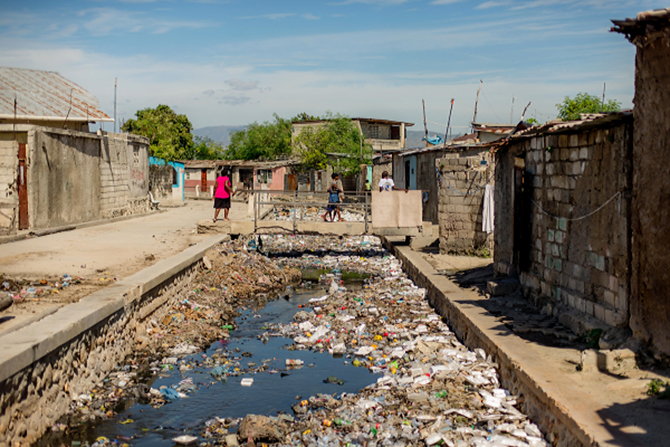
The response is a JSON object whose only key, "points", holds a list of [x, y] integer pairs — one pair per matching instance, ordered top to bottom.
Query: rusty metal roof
{"points": [[646, 22], [45, 95], [210, 164]]}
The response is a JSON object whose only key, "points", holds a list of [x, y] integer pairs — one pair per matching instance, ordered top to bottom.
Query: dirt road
{"points": [[94, 257]]}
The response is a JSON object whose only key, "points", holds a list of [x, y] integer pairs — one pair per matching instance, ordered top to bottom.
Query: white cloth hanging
{"points": [[487, 210]]}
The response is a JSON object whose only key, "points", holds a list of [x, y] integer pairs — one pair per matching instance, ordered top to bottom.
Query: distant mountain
{"points": [[220, 134]]}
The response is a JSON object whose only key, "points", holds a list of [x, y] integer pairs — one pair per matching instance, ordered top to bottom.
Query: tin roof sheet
{"points": [[45, 95]]}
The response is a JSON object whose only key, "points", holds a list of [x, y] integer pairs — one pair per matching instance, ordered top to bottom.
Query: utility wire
{"points": [[572, 219]]}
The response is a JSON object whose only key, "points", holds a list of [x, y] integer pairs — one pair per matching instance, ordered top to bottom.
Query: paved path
{"points": [[117, 248], [99, 254]]}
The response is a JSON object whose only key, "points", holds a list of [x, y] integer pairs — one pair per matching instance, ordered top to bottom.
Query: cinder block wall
{"points": [[124, 175], [463, 177], [160, 181], [9, 198], [578, 218]]}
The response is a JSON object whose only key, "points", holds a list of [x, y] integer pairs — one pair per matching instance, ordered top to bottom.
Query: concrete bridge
{"points": [[394, 213]]}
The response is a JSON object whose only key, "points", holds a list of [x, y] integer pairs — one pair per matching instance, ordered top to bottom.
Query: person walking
{"points": [[222, 194]]}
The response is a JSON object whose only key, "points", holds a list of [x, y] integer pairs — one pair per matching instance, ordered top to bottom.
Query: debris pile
{"points": [[314, 214], [20, 290], [431, 390]]}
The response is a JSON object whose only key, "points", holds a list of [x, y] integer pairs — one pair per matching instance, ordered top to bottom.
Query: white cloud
{"points": [[372, 2], [444, 2], [492, 4], [281, 16], [104, 21], [242, 85]]}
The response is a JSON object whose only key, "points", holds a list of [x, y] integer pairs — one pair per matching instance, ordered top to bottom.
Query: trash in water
{"points": [[247, 382], [185, 439]]}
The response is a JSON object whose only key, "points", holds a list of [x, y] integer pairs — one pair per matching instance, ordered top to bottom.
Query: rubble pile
{"points": [[291, 245], [233, 279], [20, 290], [431, 390]]}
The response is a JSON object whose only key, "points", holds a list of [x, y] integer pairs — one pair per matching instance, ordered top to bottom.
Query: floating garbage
{"points": [[426, 387], [185, 439]]}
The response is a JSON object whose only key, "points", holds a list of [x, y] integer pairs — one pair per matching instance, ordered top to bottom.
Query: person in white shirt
{"points": [[386, 183]]}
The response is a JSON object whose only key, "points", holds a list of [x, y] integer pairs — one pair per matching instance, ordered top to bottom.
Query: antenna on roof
{"points": [[115, 84], [602, 103], [511, 112], [523, 114], [67, 115], [474, 115], [425, 124], [446, 131]]}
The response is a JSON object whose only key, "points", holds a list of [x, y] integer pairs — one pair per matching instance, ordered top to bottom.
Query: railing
{"points": [[298, 206]]}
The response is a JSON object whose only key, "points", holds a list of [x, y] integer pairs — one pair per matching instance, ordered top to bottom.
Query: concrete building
{"points": [[45, 98], [383, 135], [53, 172], [200, 175], [563, 218]]}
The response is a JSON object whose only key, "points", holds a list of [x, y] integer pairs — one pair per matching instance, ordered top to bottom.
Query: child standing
{"points": [[222, 195]]}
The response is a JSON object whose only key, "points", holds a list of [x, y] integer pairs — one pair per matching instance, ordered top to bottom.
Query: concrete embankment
{"points": [[43, 365], [561, 389]]}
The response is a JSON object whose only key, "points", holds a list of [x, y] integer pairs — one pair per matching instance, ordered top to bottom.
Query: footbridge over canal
{"points": [[389, 213]]}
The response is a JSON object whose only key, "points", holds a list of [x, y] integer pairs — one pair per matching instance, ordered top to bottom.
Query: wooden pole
{"points": [[474, 115], [425, 124], [446, 131]]}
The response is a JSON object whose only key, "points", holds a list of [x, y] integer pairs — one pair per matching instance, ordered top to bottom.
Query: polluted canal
{"points": [[316, 341]]}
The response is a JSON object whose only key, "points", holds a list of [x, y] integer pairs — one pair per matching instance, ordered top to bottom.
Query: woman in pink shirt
{"points": [[222, 194]]}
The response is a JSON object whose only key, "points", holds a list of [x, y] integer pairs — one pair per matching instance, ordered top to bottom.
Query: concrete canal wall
{"points": [[67, 353], [521, 370]]}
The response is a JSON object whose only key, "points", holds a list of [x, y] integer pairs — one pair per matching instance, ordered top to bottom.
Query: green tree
{"points": [[570, 108], [169, 133], [338, 136], [267, 141], [204, 148]]}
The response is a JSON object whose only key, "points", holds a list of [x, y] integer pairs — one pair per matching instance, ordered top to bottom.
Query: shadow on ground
{"points": [[515, 313]]}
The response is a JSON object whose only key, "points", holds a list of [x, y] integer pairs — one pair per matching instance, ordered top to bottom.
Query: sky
{"points": [[233, 62]]}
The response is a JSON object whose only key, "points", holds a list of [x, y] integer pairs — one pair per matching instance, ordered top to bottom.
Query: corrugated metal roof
{"points": [[45, 95], [209, 164]]}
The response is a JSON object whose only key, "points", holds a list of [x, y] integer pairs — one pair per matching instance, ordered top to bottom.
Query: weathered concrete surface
{"points": [[396, 209], [246, 226], [650, 310], [56, 359], [573, 408]]}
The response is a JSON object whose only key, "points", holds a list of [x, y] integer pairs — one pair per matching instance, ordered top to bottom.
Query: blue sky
{"points": [[237, 61]]}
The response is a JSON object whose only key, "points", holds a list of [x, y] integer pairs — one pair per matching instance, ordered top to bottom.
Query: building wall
{"points": [[124, 175], [72, 176], [425, 177], [63, 178], [160, 181], [9, 199], [460, 202], [574, 219], [650, 311]]}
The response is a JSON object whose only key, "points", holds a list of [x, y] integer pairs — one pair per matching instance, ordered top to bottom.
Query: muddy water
{"points": [[275, 389]]}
